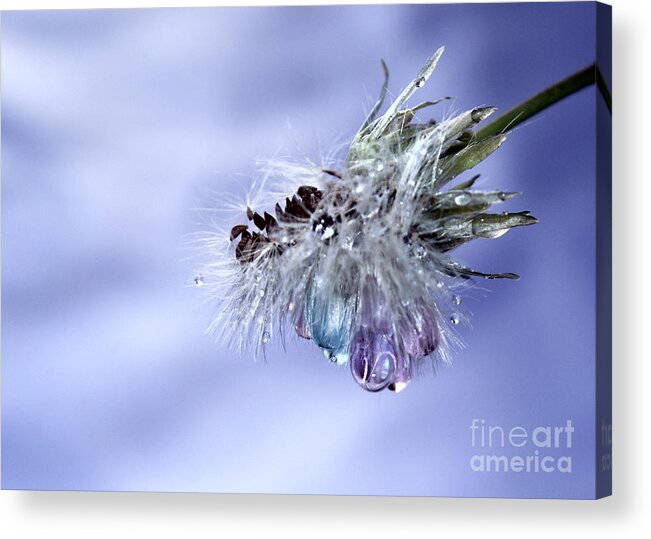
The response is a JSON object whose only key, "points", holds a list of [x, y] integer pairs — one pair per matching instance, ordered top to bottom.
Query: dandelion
{"points": [[358, 258]]}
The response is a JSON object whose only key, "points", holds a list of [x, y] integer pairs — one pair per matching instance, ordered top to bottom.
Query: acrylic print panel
{"points": [[123, 131]]}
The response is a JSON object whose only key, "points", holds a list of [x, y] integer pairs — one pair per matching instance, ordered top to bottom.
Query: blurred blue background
{"points": [[116, 124]]}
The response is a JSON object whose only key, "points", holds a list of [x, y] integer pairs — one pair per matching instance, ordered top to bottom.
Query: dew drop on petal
{"points": [[420, 83], [379, 165], [462, 199], [328, 232], [347, 243], [420, 252], [199, 280], [456, 300], [454, 319], [301, 326], [266, 337], [372, 360], [401, 377]]}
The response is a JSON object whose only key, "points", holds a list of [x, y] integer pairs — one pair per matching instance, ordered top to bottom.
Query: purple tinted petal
{"points": [[374, 309], [300, 324], [419, 331]]}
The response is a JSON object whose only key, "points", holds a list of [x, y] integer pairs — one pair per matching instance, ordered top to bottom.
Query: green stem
{"points": [[549, 96]]}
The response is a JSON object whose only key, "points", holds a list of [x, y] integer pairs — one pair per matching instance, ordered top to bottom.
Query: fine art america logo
{"points": [[517, 449]]}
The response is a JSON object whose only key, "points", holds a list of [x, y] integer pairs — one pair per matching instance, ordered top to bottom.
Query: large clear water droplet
{"points": [[266, 337], [372, 360]]}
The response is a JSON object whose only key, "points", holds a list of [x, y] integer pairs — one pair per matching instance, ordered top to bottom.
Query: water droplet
{"points": [[420, 83], [423, 152], [379, 165], [502, 195], [462, 199], [328, 233], [496, 233], [292, 242], [347, 243], [420, 252], [199, 281], [440, 284], [261, 292], [456, 300], [454, 319], [266, 337]]}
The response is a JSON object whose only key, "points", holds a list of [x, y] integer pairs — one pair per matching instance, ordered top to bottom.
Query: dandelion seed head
{"points": [[356, 256]]}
